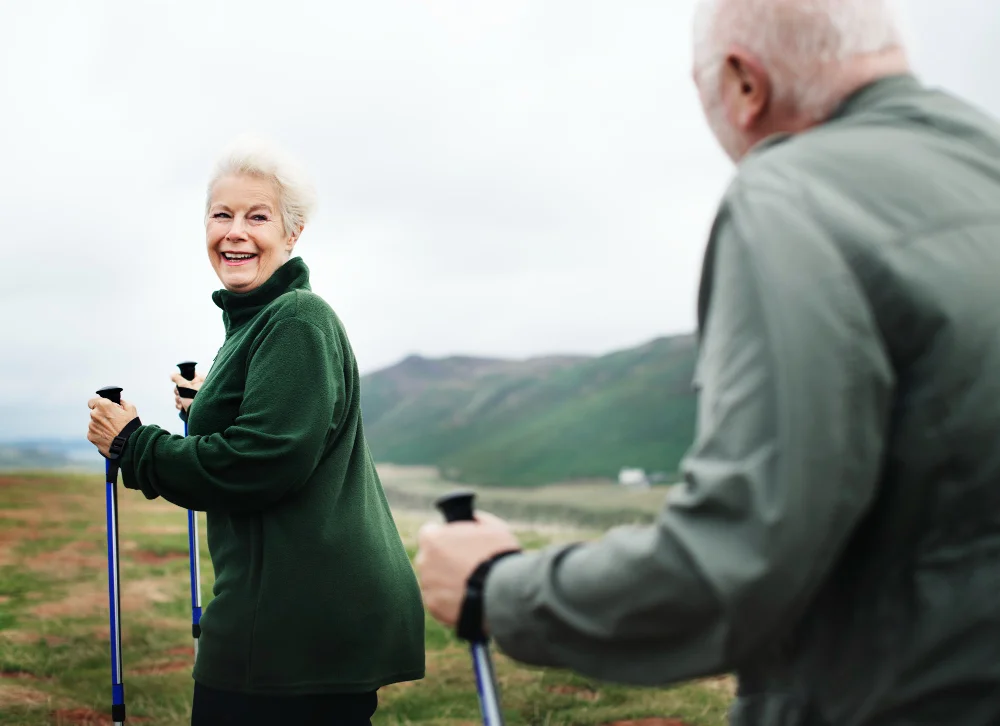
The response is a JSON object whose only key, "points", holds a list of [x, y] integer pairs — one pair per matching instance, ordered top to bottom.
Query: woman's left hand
{"points": [[107, 419]]}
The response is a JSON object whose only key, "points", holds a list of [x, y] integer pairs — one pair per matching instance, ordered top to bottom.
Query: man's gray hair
{"points": [[800, 42], [253, 156]]}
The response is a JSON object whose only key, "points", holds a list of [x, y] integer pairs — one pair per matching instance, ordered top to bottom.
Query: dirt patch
{"points": [[48, 508], [163, 529], [11, 537], [147, 557], [74, 558], [138, 594], [85, 599], [82, 600], [163, 623], [21, 637], [189, 651], [159, 668], [17, 675], [583, 693], [16, 695], [86, 717], [649, 722]]}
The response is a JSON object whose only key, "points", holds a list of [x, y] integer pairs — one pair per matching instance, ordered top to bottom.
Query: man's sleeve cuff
{"points": [[510, 607]]}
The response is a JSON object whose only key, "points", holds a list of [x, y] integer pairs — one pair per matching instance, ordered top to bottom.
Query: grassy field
{"points": [[593, 505], [54, 650]]}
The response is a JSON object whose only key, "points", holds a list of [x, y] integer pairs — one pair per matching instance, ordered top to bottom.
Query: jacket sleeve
{"points": [[294, 381], [795, 393]]}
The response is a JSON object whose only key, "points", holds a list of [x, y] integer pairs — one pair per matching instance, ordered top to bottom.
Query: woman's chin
{"points": [[238, 281]]}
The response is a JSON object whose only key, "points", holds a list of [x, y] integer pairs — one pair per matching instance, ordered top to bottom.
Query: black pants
{"points": [[225, 708]]}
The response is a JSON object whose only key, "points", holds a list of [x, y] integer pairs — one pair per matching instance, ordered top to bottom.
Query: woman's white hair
{"points": [[800, 42], [254, 156]]}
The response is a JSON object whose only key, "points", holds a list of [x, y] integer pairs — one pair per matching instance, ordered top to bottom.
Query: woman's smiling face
{"points": [[245, 232]]}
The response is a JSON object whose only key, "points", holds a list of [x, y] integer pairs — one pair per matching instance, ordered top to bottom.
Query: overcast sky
{"points": [[496, 177]]}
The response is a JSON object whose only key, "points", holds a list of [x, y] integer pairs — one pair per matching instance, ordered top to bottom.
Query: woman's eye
{"points": [[220, 215], [259, 218]]}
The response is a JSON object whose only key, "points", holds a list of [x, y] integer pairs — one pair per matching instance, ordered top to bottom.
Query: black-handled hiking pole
{"points": [[113, 394], [458, 507], [194, 556]]}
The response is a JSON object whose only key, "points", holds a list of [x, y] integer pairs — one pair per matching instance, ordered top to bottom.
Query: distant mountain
{"points": [[524, 423], [77, 454]]}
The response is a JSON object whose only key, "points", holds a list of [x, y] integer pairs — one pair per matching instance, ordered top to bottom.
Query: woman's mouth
{"points": [[234, 259]]}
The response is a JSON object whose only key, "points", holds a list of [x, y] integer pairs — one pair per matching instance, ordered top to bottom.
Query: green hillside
{"points": [[525, 423]]}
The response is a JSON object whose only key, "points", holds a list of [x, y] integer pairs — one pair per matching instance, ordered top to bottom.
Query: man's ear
{"points": [[752, 88]]}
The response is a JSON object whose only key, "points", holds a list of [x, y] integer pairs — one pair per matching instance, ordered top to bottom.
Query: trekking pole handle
{"points": [[187, 371], [111, 393], [457, 506]]}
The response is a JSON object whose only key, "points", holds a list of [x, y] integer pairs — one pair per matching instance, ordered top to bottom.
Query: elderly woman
{"points": [[316, 604]]}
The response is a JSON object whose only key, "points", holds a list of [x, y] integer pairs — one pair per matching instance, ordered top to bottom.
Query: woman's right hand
{"points": [[182, 404]]}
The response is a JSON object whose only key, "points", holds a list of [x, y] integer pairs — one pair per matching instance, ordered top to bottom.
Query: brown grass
{"points": [[146, 557], [70, 560], [17, 695], [86, 717]]}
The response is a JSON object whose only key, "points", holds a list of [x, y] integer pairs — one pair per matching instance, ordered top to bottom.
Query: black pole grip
{"points": [[187, 369], [112, 393], [457, 506]]}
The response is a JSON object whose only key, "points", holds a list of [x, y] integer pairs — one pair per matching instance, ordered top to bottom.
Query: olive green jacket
{"points": [[836, 538]]}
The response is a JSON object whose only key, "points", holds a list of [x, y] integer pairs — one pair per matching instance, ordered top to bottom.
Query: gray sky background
{"points": [[500, 177]]}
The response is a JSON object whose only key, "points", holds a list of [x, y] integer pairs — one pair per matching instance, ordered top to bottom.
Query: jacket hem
{"points": [[308, 689]]}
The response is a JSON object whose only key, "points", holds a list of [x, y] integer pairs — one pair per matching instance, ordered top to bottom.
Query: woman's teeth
{"points": [[241, 256]]}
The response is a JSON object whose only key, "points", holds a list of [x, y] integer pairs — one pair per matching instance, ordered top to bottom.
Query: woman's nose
{"points": [[237, 230]]}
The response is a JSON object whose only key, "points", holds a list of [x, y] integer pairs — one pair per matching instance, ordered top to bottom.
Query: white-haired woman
{"points": [[316, 604]]}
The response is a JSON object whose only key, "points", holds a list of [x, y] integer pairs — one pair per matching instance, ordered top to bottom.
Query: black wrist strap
{"points": [[186, 392], [118, 444], [118, 447], [470, 617]]}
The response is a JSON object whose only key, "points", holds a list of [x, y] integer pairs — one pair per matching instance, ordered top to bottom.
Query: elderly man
{"points": [[836, 540]]}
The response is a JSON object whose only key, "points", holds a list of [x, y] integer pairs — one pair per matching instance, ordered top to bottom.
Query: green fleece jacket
{"points": [[314, 592]]}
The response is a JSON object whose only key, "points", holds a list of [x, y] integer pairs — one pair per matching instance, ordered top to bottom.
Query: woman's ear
{"points": [[294, 238]]}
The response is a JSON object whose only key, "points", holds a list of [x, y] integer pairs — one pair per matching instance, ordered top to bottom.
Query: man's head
{"points": [[782, 66]]}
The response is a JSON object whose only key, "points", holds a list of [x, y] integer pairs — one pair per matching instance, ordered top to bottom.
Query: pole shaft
{"points": [[460, 507], [194, 561], [114, 593], [486, 684]]}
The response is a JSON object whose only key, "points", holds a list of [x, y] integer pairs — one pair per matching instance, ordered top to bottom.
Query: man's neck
{"points": [[850, 77]]}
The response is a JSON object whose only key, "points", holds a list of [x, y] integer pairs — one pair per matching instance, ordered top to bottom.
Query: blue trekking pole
{"points": [[113, 394], [458, 507], [194, 555]]}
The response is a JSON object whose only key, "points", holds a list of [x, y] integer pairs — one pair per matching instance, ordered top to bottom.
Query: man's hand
{"points": [[182, 404], [107, 419], [447, 555]]}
